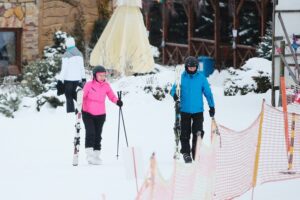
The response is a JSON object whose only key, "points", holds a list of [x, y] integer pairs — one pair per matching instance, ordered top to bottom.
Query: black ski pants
{"points": [[70, 93], [190, 123], [93, 129]]}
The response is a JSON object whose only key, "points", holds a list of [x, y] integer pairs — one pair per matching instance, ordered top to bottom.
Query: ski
{"points": [[77, 126], [177, 127], [177, 130]]}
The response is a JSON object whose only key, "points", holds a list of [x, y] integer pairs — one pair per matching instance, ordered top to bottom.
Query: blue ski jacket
{"points": [[192, 88]]}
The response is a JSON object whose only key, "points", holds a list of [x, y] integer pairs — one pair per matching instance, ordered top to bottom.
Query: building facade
{"points": [[27, 26]]}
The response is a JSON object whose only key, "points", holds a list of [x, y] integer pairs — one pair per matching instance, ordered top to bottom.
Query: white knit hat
{"points": [[70, 42]]}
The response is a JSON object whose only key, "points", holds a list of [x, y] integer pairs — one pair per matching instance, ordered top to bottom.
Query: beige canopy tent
{"points": [[124, 45]]}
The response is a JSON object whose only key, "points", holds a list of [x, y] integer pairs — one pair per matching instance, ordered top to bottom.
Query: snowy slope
{"points": [[36, 147]]}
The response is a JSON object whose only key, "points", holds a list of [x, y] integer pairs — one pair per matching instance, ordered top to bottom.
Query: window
{"points": [[10, 51]]}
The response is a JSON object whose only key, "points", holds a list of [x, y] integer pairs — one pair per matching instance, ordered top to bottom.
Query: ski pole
{"points": [[119, 96], [121, 116], [124, 126]]}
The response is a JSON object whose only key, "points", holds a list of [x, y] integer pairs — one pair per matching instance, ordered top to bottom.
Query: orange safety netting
{"points": [[274, 159], [234, 163], [188, 181]]}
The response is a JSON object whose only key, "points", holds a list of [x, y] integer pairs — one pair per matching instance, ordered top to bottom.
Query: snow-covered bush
{"points": [[58, 48], [39, 75], [254, 76], [263, 82], [159, 93], [11, 95], [53, 101], [9, 103]]}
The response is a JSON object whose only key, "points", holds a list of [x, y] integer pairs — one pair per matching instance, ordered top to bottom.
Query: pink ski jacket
{"points": [[94, 95]]}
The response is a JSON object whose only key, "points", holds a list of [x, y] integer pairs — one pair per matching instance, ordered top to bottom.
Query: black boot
{"points": [[187, 158]]}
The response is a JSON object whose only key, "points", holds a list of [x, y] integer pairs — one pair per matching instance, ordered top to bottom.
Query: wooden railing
{"points": [[200, 46], [244, 52], [174, 53]]}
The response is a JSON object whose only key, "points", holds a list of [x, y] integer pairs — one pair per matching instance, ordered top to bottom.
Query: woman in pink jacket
{"points": [[94, 113]]}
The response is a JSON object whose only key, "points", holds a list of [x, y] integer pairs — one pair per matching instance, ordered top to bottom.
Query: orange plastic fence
{"points": [[244, 159]]}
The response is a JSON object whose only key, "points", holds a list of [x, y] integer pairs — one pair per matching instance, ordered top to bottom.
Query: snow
{"points": [[288, 5], [155, 51], [36, 147]]}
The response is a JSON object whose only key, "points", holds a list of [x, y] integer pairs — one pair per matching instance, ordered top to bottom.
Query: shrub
{"points": [[59, 45], [39, 75], [246, 80], [159, 93], [11, 95], [53, 101]]}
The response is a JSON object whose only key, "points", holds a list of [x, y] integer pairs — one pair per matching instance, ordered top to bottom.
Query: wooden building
{"points": [[27, 26], [227, 51]]}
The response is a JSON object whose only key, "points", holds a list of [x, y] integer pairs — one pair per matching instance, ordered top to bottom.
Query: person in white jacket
{"points": [[72, 73]]}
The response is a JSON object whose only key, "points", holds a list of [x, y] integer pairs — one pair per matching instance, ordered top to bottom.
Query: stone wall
{"points": [[22, 14], [60, 15], [39, 19]]}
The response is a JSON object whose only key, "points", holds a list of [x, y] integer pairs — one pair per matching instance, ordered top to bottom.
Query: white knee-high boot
{"points": [[89, 155], [97, 159]]}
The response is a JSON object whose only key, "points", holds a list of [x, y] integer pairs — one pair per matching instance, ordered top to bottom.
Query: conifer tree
{"points": [[264, 48]]}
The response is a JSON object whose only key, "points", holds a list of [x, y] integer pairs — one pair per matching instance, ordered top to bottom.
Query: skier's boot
{"points": [[89, 155], [187, 158], [97, 159]]}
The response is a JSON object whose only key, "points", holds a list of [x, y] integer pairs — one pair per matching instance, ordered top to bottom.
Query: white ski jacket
{"points": [[72, 67]]}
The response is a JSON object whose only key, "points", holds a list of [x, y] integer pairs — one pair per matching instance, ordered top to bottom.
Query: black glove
{"points": [[82, 83], [60, 88], [175, 97], [120, 103], [211, 111]]}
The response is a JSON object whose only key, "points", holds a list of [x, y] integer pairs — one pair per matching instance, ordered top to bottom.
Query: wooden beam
{"points": [[266, 2], [213, 3], [185, 6], [239, 7], [259, 7], [165, 16], [263, 18], [147, 19], [217, 22], [235, 26], [190, 27], [202, 40], [172, 44], [18, 49]]}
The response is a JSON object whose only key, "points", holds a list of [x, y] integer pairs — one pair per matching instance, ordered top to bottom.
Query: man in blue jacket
{"points": [[192, 87]]}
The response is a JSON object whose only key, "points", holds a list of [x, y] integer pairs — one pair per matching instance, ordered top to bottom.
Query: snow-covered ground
{"points": [[36, 147]]}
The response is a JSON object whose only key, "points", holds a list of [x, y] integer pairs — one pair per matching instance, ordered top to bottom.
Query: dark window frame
{"points": [[18, 34]]}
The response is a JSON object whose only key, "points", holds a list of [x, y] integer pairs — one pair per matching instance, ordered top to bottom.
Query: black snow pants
{"points": [[70, 93], [190, 123], [93, 129]]}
